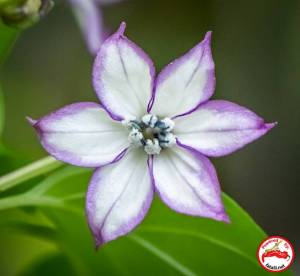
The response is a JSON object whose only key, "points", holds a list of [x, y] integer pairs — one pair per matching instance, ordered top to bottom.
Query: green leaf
{"points": [[58, 182], [175, 243], [19, 251], [47, 265]]}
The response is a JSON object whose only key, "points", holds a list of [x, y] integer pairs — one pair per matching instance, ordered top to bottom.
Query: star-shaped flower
{"points": [[149, 134]]}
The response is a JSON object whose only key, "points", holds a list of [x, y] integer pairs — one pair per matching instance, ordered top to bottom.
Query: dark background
{"points": [[256, 48]]}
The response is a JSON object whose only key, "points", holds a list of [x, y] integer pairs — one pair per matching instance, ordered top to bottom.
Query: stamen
{"points": [[149, 120], [131, 123], [168, 124], [151, 133], [135, 137], [167, 140], [152, 146]]}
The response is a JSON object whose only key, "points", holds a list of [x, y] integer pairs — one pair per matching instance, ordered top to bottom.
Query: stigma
{"points": [[151, 133]]}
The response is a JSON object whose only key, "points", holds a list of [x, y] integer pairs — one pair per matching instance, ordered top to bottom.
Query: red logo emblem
{"points": [[275, 254]]}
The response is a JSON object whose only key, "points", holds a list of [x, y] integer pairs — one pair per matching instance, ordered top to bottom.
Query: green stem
{"points": [[32, 170], [24, 200], [34, 201]]}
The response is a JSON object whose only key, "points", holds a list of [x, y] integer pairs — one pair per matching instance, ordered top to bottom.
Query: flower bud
{"points": [[23, 13]]}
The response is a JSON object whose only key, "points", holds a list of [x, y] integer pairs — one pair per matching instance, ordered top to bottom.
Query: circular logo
{"points": [[275, 254]]}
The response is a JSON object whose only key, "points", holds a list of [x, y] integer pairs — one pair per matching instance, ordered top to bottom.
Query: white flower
{"points": [[149, 134]]}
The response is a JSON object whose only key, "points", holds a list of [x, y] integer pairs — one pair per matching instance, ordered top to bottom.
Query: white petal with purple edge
{"points": [[89, 18], [123, 77], [185, 83], [219, 127], [82, 134], [187, 182], [119, 196]]}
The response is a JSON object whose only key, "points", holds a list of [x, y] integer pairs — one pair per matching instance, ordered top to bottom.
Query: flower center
{"points": [[151, 133]]}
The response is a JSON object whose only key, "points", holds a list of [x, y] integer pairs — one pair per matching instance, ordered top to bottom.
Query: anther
{"points": [[149, 120], [131, 123], [167, 124], [135, 137], [166, 140], [152, 146]]}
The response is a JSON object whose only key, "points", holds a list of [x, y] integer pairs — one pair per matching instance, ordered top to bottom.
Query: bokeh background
{"points": [[256, 48]]}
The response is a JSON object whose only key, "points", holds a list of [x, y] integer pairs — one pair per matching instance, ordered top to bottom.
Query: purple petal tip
{"points": [[121, 29], [208, 35], [207, 38], [31, 121], [271, 125], [222, 216], [226, 218]]}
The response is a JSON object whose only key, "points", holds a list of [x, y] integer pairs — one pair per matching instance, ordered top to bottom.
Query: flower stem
{"points": [[25, 173], [24, 200]]}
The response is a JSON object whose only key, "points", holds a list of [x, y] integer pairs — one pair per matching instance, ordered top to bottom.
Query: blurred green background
{"points": [[256, 50]]}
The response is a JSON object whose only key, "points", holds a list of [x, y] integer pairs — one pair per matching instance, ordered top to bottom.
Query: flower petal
{"points": [[89, 18], [123, 77], [185, 83], [219, 127], [82, 134], [187, 182], [119, 196]]}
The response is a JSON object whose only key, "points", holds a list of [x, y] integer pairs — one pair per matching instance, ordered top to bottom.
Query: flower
{"points": [[89, 17], [149, 134]]}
